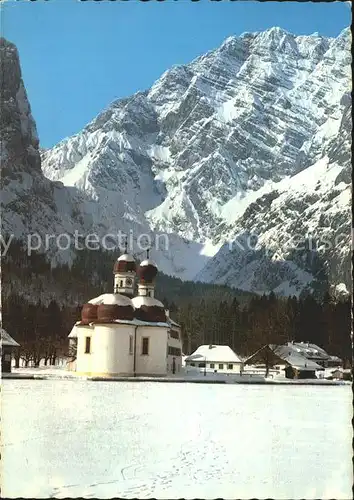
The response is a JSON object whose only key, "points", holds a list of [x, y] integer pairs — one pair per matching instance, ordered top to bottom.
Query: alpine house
{"points": [[121, 334], [215, 358]]}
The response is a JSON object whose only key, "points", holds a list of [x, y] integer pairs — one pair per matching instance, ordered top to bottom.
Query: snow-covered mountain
{"points": [[252, 137], [29, 201], [32, 204], [295, 234]]}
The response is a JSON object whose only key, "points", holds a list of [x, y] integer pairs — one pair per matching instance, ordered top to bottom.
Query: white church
{"points": [[121, 334]]}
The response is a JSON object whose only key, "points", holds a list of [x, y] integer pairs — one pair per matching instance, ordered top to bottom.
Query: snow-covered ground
{"points": [[155, 440]]}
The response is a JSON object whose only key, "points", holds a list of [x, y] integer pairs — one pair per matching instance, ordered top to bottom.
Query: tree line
{"points": [[41, 304], [267, 320], [42, 330]]}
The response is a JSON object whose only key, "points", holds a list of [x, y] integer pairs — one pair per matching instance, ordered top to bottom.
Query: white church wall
{"points": [[111, 353], [84, 359], [155, 362]]}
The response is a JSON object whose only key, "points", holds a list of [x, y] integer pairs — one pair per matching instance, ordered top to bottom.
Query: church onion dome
{"points": [[125, 264], [147, 271], [114, 306], [107, 308], [149, 309], [88, 313]]}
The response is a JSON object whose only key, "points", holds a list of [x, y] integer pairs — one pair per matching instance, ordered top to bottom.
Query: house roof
{"points": [[173, 322], [73, 333], [7, 340], [312, 351], [214, 353], [288, 354], [258, 356], [295, 358], [335, 358], [342, 370]]}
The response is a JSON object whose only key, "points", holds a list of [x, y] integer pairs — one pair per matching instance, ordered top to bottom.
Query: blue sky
{"points": [[77, 57]]}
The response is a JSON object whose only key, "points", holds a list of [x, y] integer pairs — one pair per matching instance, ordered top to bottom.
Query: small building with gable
{"points": [[8, 344], [214, 358], [286, 359]]}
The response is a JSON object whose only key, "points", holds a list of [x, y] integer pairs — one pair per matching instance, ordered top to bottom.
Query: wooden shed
{"points": [[8, 344]]}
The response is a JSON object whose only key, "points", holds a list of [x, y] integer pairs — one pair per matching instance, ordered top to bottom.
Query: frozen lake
{"points": [[160, 440]]}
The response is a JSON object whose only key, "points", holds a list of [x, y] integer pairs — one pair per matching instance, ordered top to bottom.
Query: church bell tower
{"points": [[147, 272], [124, 274]]}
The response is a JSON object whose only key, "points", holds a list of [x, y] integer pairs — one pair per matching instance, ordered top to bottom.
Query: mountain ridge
{"points": [[190, 155]]}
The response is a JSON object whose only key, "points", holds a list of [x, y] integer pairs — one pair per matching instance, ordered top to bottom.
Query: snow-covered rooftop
{"points": [[126, 257], [148, 262], [112, 298], [146, 301], [170, 320], [73, 333], [7, 340], [311, 351], [214, 353], [290, 354], [294, 358]]}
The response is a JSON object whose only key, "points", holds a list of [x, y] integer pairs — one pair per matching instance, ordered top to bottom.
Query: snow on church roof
{"points": [[126, 257], [148, 262], [111, 298], [146, 301], [214, 353]]}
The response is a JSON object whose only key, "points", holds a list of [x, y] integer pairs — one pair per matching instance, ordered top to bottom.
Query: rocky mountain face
{"points": [[252, 137], [251, 140], [29, 201], [32, 204], [296, 236]]}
